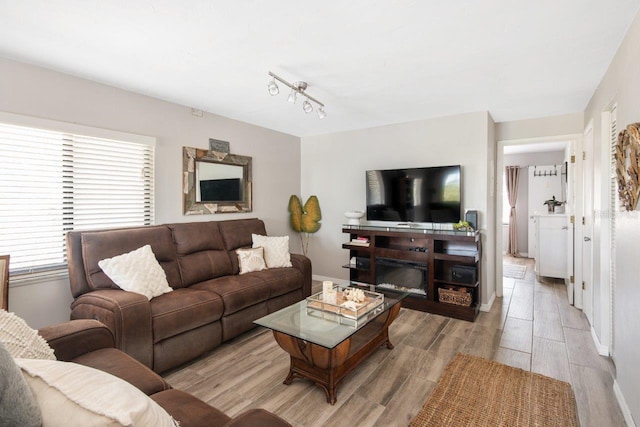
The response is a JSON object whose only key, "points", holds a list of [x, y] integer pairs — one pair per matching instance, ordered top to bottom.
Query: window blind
{"points": [[53, 182], [614, 205]]}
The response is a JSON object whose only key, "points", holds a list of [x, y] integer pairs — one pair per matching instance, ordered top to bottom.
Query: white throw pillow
{"points": [[276, 250], [251, 260], [137, 271], [21, 340], [72, 395]]}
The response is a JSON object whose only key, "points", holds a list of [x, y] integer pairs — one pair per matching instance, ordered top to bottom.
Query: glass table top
{"points": [[322, 328]]}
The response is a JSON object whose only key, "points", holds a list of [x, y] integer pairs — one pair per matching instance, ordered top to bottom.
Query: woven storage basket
{"points": [[456, 296]]}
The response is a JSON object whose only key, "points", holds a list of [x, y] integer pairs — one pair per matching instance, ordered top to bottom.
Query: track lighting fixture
{"points": [[297, 88]]}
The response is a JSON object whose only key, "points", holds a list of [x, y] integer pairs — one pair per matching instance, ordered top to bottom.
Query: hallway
{"points": [[541, 332]]}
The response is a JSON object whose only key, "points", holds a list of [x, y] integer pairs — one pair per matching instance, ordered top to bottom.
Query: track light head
{"points": [[273, 88], [293, 96], [306, 106]]}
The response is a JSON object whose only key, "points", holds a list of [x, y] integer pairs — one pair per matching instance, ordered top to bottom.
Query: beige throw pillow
{"points": [[276, 250], [251, 260], [137, 271], [21, 340], [73, 395]]}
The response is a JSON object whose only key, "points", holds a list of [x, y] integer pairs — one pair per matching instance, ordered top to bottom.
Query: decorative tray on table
{"points": [[349, 308]]}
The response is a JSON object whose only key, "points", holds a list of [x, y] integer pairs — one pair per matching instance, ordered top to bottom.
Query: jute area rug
{"points": [[514, 271], [481, 393]]}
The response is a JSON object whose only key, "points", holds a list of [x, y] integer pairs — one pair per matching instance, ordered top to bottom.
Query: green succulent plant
{"points": [[304, 220]]}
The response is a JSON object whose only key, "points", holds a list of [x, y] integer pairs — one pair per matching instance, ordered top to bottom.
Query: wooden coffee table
{"points": [[325, 349]]}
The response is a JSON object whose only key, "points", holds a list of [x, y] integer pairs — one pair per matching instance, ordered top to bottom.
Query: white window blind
{"points": [[53, 182], [614, 205]]}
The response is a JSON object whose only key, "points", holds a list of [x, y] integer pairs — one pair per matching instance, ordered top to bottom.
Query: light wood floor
{"points": [[532, 327]]}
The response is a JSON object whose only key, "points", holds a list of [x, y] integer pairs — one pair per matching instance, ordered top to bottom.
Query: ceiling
{"points": [[370, 62]]}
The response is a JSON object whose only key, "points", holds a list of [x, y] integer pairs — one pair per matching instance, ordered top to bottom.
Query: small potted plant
{"points": [[552, 203], [462, 226]]}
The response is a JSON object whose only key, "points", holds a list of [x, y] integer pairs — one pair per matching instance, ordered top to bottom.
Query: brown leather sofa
{"points": [[211, 303], [90, 343]]}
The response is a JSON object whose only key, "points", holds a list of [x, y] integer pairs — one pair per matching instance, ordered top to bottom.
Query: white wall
{"points": [[620, 85], [34, 91], [334, 165], [522, 203]]}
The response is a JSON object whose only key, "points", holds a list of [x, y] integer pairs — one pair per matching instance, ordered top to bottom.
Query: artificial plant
{"points": [[304, 220]]}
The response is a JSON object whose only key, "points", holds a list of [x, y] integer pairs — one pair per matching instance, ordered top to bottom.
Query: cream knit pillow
{"points": [[276, 250], [137, 271], [22, 341]]}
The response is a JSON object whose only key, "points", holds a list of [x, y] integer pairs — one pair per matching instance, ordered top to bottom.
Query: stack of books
{"points": [[360, 241]]}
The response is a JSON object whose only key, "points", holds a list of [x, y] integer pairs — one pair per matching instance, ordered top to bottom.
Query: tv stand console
{"points": [[440, 269]]}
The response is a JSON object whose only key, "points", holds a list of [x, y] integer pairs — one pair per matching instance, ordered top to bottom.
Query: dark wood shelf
{"points": [[356, 247], [435, 252], [471, 258], [353, 267], [450, 283]]}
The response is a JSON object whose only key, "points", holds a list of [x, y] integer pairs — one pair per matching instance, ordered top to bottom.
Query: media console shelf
{"points": [[434, 266]]}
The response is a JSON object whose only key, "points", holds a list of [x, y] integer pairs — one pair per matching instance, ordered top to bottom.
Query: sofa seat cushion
{"points": [[281, 280], [238, 292], [183, 310], [121, 365], [188, 410]]}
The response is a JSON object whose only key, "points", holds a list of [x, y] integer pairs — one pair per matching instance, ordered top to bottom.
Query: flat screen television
{"points": [[221, 190], [430, 194]]}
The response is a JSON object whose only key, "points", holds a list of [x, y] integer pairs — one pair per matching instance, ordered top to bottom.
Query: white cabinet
{"points": [[552, 245]]}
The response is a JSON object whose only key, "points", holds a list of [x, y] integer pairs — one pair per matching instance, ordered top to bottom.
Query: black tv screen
{"points": [[221, 190], [414, 195]]}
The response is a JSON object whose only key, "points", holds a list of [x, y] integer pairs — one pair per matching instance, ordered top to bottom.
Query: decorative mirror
{"points": [[215, 182]]}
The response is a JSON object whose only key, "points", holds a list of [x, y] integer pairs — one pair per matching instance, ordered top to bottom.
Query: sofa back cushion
{"points": [[237, 234], [98, 245], [201, 252]]}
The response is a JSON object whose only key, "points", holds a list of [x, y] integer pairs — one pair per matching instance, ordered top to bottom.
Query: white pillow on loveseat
{"points": [[276, 250], [137, 271], [73, 395]]}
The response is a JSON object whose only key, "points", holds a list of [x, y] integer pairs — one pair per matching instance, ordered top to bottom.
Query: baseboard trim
{"points": [[323, 278], [487, 306], [603, 350], [624, 408]]}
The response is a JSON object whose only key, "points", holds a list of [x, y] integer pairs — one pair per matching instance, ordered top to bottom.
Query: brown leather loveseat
{"points": [[211, 303], [90, 343]]}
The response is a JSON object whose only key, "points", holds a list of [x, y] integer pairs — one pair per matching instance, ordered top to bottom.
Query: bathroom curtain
{"points": [[512, 174]]}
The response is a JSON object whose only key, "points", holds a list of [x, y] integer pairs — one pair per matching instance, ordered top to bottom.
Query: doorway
{"points": [[551, 154]]}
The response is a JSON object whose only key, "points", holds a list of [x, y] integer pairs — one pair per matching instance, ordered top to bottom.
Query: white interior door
{"points": [[587, 229]]}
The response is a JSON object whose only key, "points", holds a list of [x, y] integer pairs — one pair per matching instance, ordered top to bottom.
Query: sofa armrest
{"points": [[302, 263], [126, 314], [76, 337], [257, 417]]}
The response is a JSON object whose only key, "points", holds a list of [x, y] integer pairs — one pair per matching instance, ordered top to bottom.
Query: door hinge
{"points": [[584, 155], [573, 159], [573, 219], [583, 221], [571, 279], [583, 286]]}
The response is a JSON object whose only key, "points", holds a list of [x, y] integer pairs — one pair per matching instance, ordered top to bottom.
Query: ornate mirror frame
{"points": [[189, 203]]}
